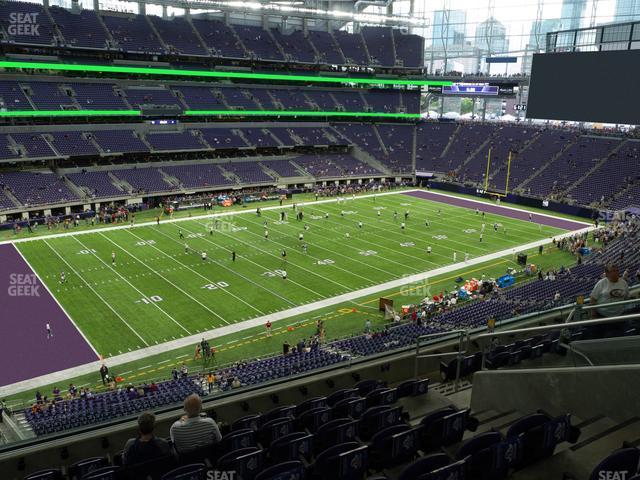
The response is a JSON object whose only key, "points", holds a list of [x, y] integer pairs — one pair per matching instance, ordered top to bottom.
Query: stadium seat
{"points": [[314, 418], [375, 419], [249, 421], [445, 427], [274, 429], [339, 430], [540, 434], [393, 446], [292, 447], [489, 455], [345, 461], [625, 461], [246, 462], [437, 466], [81, 468], [155, 468], [293, 470], [194, 471], [112, 472], [48, 474]]}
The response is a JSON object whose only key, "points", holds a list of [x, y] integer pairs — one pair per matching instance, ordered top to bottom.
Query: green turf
{"points": [[157, 292], [340, 320]]}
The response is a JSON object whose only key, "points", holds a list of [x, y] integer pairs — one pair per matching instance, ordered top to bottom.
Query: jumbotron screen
{"points": [[586, 87]]}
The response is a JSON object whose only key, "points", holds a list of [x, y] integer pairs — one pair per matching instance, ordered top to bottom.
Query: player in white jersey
{"points": [[359, 224], [402, 226], [482, 228], [266, 234], [300, 236], [429, 249], [204, 256], [455, 256], [466, 257], [113, 258], [63, 277]]}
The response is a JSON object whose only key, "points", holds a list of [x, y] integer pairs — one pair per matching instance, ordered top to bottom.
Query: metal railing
{"points": [[486, 339], [424, 340]]}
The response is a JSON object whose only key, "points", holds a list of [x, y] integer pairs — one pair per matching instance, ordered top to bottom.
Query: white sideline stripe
{"points": [[278, 207], [196, 217], [56, 300], [43, 380]]}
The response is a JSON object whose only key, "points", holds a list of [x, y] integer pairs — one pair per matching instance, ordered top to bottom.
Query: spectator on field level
{"points": [[611, 288], [194, 429], [146, 446]]}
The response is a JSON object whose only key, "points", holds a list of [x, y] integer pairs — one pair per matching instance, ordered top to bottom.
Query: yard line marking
{"points": [[346, 244], [251, 261], [289, 261], [240, 274], [200, 275], [162, 277], [95, 293], [57, 301], [155, 304], [182, 356], [164, 361], [145, 367], [127, 372]]}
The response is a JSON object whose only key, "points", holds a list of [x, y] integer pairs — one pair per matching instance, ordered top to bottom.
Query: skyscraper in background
{"points": [[627, 11], [572, 12], [448, 28], [491, 36]]}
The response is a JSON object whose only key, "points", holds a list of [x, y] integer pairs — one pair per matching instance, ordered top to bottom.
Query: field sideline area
{"points": [[159, 295]]}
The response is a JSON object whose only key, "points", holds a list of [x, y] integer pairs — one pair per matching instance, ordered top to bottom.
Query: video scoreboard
{"points": [[474, 89]]}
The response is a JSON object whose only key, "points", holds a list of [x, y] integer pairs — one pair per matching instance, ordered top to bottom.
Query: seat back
{"points": [[382, 396], [335, 397], [310, 404], [352, 407], [314, 418], [378, 418], [249, 421], [273, 429], [336, 431], [238, 439], [394, 445], [291, 447], [344, 461], [246, 462], [624, 462], [424, 465], [81, 468], [154, 468], [293, 470], [195, 471], [112, 472], [48, 474]]}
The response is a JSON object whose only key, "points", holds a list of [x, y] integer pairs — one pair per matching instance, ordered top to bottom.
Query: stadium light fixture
{"points": [[69, 67], [204, 113]]}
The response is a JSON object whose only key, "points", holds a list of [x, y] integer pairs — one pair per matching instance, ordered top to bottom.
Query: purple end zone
{"points": [[498, 210], [25, 308]]}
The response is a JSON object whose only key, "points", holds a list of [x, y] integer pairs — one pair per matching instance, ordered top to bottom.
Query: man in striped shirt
{"points": [[194, 429]]}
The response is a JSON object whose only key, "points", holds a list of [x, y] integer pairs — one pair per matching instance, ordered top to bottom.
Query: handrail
{"points": [[621, 302], [562, 326], [461, 336]]}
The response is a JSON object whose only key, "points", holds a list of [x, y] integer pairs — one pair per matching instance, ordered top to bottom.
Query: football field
{"points": [[130, 288]]}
